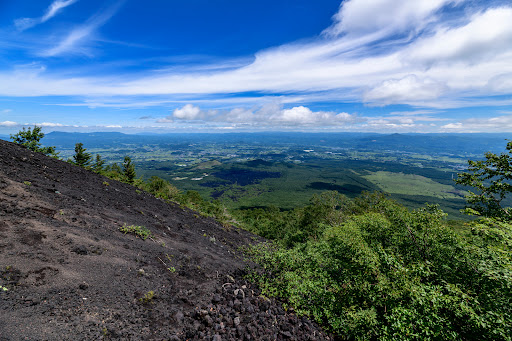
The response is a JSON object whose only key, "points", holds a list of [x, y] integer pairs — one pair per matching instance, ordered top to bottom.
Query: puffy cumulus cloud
{"points": [[360, 17], [407, 89], [188, 112], [271, 114], [298, 115], [304, 116], [453, 126]]}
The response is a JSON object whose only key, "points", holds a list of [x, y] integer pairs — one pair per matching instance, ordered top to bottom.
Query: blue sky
{"points": [[280, 65]]}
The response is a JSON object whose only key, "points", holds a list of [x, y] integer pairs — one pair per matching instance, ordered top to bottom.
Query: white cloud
{"points": [[54, 8], [385, 17], [25, 23], [485, 36], [71, 43], [443, 64], [501, 83], [407, 89], [6, 111], [188, 112], [271, 114], [296, 115], [167, 119], [8, 124], [49, 124], [483, 125], [455, 126]]}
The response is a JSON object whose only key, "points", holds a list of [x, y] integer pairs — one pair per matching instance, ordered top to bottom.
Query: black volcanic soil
{"points": [[72, 275]]}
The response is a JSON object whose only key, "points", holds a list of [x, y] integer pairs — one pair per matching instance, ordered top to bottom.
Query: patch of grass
{"points": [[28, 183], [412, 184], [139, 231]]}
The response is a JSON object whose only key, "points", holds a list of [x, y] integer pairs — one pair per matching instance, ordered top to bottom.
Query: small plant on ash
{"points": [[28, 183], [139, 231], [148, 297]]}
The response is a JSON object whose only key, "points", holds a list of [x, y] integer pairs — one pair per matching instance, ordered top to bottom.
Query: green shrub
{"points": [[139, 231], [383, 272], [148, 297]]}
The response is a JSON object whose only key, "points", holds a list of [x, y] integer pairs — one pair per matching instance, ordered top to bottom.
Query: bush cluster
{"points": [[383, 272]]}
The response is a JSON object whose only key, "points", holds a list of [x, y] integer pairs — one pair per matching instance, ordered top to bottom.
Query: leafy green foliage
{"points": [[30, 138], [81, 157], [491, 178], [161, 188], [300, 224], [139, 231], [371, 269]]}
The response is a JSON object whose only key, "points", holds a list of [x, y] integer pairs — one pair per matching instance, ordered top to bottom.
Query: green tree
{"points": [[30, 138], [81, 157], [98, 164], [115, 168], [129, 169], [491, 178]]}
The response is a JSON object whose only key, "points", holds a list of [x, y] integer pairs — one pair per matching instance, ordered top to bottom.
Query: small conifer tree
{"points": [[81, 157], [98, 164], [129, 169]]}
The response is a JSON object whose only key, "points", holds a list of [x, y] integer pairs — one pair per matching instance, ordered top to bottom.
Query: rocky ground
{"points": [[67, 272]]}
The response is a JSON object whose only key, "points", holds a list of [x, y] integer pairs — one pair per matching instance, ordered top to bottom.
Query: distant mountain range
{"points": [[459, 144]]}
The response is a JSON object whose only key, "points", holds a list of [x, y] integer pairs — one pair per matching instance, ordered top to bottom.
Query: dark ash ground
{"points": [[72, 275]]}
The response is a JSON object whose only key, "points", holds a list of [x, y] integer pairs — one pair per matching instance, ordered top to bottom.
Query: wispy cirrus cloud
{"points": [[54, 8], [73, 42], [376, 52], [424, 71]]}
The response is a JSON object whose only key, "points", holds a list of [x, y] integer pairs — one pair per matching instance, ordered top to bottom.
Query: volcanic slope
{"points": [[71, 274]]}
